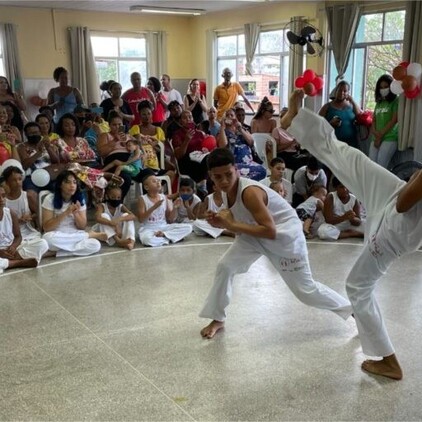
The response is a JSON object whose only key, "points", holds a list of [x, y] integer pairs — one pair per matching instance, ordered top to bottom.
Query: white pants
{"points": [[383, 154], [375, 187], [201, 227], [128, 229], [332, 232], [172, 233], [75, 243], [294, 270]]}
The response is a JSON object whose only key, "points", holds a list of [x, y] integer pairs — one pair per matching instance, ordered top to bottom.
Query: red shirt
{"points": [[133, 98], [195, 143]]}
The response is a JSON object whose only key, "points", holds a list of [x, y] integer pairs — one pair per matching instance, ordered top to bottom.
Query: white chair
{"points": [[260, 141]]}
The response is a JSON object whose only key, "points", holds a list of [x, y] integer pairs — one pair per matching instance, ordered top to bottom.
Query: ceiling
{"points": [[122, 6]]}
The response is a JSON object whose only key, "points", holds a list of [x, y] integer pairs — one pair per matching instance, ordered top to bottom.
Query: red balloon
{"points": [[404, 64], [399, 72], [309, 75], [299, 82], [318, 83], [409, 83], [310, 89], [412, 94], [365, 118], [209, 143], [4, 154]]}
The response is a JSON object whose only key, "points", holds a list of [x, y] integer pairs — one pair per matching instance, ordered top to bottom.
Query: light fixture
{"points": [[167, 10]]}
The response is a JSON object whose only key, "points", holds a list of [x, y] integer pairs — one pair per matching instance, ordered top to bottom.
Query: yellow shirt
{"points": [[226, 97], [150, 156]]}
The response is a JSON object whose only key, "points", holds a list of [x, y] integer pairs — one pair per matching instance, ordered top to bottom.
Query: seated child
{"points": [[134, 163], [277, 168], [279, 188], [213, 203], [189, 204], [306, 210], [156, 213], [342, 215], [114, 219], [13, 252]]}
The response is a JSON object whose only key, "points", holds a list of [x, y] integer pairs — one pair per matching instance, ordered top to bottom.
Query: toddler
{"points": [[134, 163], [277, 168], [279, 188]]}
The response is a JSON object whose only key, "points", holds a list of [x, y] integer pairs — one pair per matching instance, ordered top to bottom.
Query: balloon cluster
{"points": [[407, 79], [309, 82]]}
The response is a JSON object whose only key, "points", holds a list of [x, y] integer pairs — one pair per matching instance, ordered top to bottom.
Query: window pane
{"points": [[394, 25], [370, 28], [271, 41], [241, 45], [105, 46], [227, 46], [132, 47], [128, 67], [106, 70], [2, 72], [357, 74], [284, 92]]}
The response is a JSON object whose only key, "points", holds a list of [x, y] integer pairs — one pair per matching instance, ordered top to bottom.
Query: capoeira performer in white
{"points": [[156, 214], [64, 220], [264, 224], [393, 225], [14, 253]]}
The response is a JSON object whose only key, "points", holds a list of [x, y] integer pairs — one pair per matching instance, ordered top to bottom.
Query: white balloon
{"points": [[414, 69], [396, 87], [43, 91], [11, 163], [40, 178]]}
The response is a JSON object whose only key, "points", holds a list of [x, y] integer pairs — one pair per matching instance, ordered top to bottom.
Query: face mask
{"points": [[384, 92], [33, 139], [311, 177], [186, 196], [114, 202]]}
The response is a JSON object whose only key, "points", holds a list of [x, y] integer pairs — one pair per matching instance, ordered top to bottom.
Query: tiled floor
{"points": [[116, 337]]}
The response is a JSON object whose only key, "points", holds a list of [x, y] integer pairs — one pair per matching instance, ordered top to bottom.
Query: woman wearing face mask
{"points": [[341, 113], [384, 127]]}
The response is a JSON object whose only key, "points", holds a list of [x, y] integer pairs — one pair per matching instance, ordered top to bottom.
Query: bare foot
{"points": [[295, 102], [159, 234], [102, 237], [125, 243], [49, 254], [25, 263], [211, 329], [387, 367]]}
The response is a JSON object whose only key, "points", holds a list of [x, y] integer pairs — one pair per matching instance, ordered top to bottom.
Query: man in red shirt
{"points": [[135, 95]]}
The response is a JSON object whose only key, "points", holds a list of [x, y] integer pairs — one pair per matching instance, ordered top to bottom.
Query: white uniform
{"points": [[21, 207], [182, 212], [157, 222], [127, 227], [202, 227], [332, 232], [388, 234], [67, 239], [34, 248], [287, 252]]}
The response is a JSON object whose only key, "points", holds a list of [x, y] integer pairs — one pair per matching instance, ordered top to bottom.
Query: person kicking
{"points": [[264, 224], [393, 225]]}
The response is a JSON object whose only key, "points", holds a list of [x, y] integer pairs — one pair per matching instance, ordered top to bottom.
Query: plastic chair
{"points": [[260, 141]]}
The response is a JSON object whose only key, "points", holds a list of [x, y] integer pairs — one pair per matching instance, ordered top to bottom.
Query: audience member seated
{"points": [[6, 94], [136, 94], [64, 98], [195, 102], [117, 103], [49, 112], [159, 112], [341, 113], [14, 115], [241, 116], [263, 121], [172, 124], [46, 126], [211, 126], [12, 132], [233, 136], [8, 149], [37, 152], [277, 168], [305, 178], [279, 188], [189, 204], [307, 210], [156, 214], [342, 215], [114, 219], [64, 220], [13, 252]]}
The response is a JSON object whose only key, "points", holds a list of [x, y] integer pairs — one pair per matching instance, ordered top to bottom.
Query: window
{"points": [[377, 49], [117, 57], [270, 65], [2, 70]]}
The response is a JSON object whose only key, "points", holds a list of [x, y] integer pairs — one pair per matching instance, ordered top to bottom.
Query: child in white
{"points": [[277, 169], [307, 210], [186, 211], [155, 213], [342, 215], [114, 219], [64, 220], [393, 225], [14, 253]]}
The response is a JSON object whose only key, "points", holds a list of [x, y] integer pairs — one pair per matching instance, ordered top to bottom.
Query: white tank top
{"points": [[21, 206], [212, 206], [339, 207], [117, 212], [158, 216], [6, 229]]}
